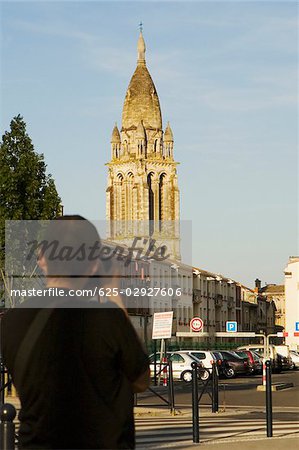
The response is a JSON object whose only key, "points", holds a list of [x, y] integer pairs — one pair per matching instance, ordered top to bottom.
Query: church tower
{"points": [[142, 195]]}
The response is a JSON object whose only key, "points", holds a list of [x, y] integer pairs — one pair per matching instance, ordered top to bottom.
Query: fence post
{"points": [[165, 371], [171, 390], [215, 392], [269, 400], [195, 415], [7, 427]]}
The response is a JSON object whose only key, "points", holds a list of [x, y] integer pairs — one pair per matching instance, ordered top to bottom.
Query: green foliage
{"points": [[26, 191]]}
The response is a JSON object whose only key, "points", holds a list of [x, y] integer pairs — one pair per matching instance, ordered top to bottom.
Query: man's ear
{"points": [[42, 263]]}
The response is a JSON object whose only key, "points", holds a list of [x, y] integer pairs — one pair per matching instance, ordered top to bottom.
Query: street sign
{"points": [[196, 324], [162, 326], [296, 326], [231, 327]]}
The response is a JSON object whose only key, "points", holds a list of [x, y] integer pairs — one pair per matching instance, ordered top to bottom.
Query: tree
{"points": [[26, 191]]}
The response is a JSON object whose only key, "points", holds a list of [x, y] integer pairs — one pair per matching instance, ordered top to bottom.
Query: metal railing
{"points": [[165, 370]]}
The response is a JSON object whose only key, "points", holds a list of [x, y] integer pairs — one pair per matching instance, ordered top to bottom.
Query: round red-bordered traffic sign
{"points": [[196, 324]]}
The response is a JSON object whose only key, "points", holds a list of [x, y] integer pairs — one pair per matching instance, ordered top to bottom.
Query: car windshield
{"points": [[259, 351], [241, 354], [199, 355], [234, 355], [194, 358]]}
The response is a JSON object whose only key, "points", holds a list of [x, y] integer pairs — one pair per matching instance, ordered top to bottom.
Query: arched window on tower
{"points": [[125, 146], [140, 148], [119, 202], [129, 202], [150, 203], [162, 213]]}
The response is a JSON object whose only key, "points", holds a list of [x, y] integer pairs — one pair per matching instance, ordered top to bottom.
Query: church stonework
{"points": [[142, 195]]}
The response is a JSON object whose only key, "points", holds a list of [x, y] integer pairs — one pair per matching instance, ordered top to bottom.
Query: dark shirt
{"points": [[77, 390]]}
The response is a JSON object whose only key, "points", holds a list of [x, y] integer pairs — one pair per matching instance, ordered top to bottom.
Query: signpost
{"points": [[196, 324], [231, 327], [162, 329]]}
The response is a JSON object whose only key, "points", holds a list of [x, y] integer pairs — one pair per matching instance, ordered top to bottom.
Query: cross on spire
{"points": [[140, 26]]}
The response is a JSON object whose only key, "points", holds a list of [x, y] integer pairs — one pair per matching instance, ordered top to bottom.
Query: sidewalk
{"points": [[205, 411], [253, 439], [289, 441], [275, 443]]}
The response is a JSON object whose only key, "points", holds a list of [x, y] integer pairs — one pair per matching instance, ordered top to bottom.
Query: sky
{"points": [[226, 76]]}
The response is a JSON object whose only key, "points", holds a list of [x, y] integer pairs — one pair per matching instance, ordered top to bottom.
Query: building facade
{"points": [[275, 293], [216, 300], [292, 301]]}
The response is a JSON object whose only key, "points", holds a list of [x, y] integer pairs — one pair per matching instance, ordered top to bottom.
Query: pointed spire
{"points": [[141, 47], [140, 131], [168, 136], [115, 138]]}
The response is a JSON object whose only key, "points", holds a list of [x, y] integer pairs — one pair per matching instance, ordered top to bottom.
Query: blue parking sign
{"points": [[297, 326], [231, 327]]}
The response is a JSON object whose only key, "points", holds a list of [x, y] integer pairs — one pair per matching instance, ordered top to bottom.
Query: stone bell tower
{"points": [[142, 195]]}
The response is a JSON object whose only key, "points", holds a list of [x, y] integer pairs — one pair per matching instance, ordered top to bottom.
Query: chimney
{"points": [[257, 285]]}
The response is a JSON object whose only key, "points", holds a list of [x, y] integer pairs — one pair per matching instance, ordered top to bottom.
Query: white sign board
{"points": [[162, 326]]}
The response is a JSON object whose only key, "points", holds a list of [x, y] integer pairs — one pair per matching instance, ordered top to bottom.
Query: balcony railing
{"points": [[196, 296], [218, 300], [230, 303]]}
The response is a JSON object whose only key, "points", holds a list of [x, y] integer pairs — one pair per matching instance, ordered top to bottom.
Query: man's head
{"points": [[70, 248]]}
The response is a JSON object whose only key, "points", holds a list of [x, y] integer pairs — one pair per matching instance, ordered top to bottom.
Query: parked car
{"points": [[284, 352], [274, 356], [205, 357], [295, 359], [255, 361], [259, 361], [286, 362], [222, 364], [232, 364], [181, 365]]}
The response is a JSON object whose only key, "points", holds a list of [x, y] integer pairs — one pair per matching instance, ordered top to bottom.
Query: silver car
{"points": [[181, 365]]}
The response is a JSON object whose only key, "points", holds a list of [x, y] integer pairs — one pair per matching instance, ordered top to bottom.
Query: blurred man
{"points": [[75, 363]]}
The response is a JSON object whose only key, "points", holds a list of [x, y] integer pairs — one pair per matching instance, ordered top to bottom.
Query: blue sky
{"points": [[226, 75]]}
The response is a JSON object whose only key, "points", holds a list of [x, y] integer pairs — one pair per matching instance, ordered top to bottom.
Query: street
{"points": [[240, 391], [241, 414]]}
